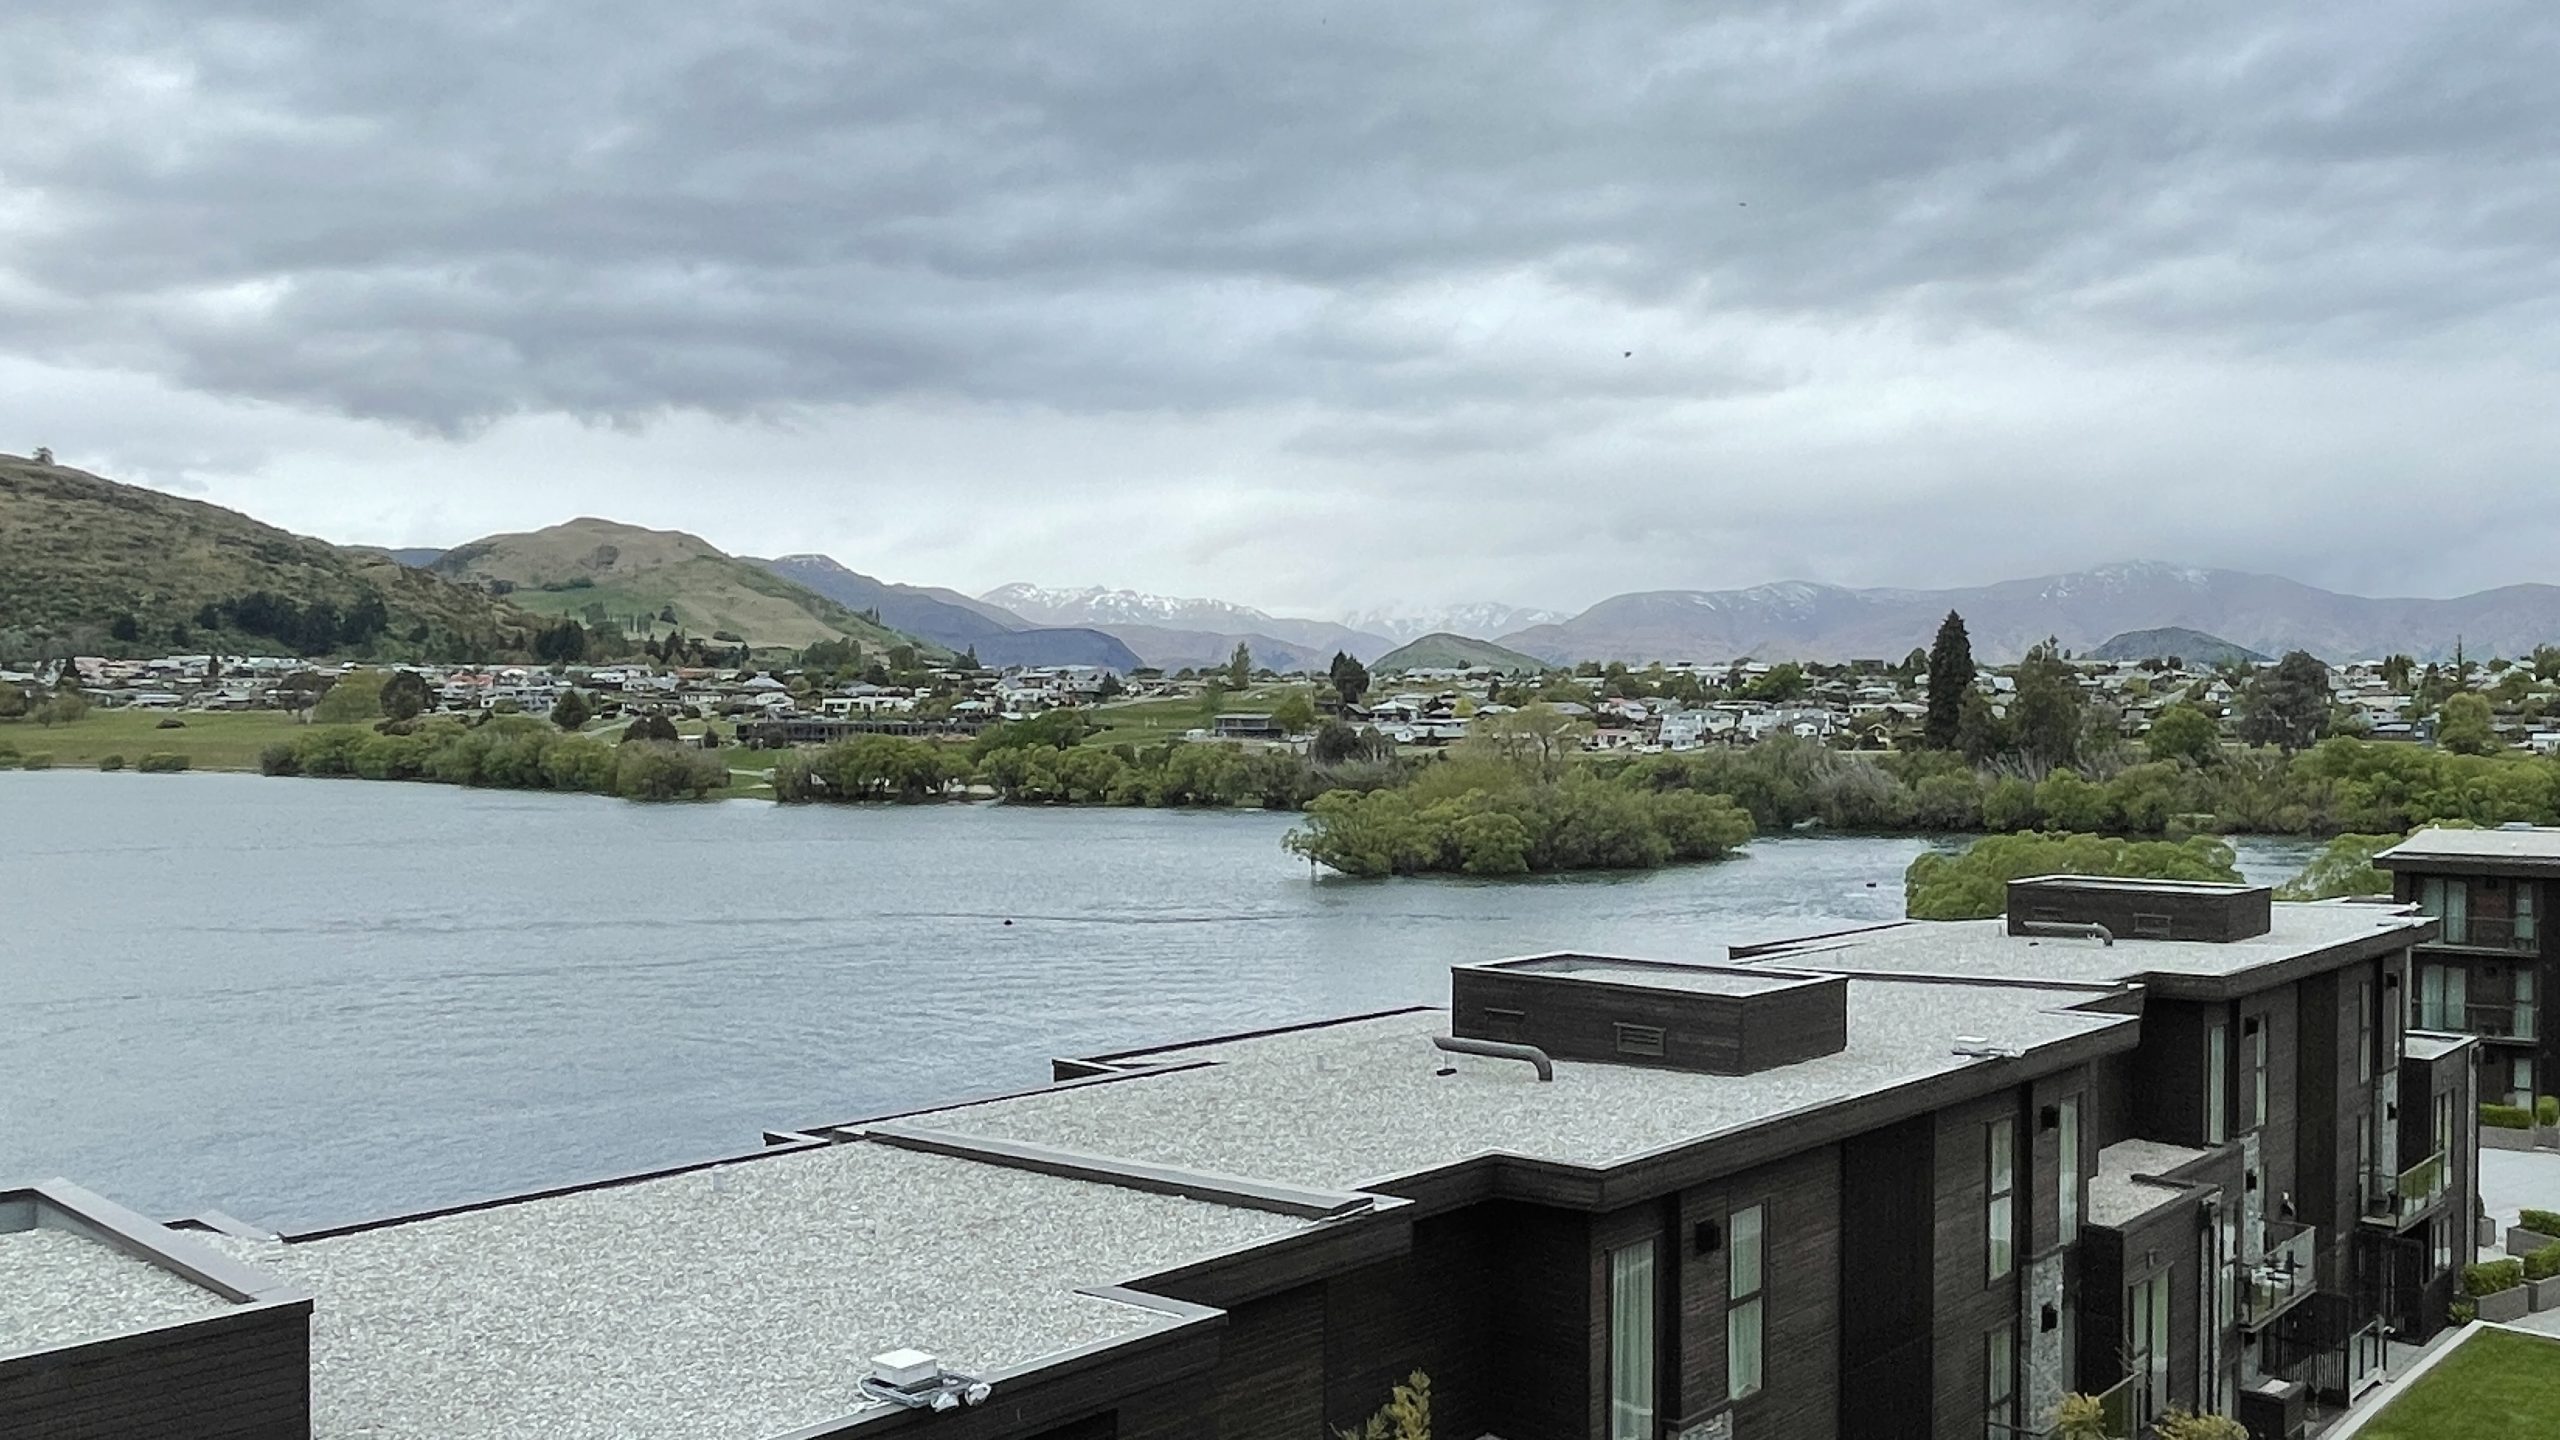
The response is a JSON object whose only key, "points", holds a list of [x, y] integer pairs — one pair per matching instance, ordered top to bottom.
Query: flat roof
{"points": [[2537, 844], [2118, 882], [1986, 948], [1652, 974], [2431, 1044], [1350, 1106], [2117, 1198], [61, 1288], [736, 1302]]}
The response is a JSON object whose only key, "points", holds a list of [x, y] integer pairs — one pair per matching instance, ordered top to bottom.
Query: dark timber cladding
{"points": [[2142, 909], [1720, 1020]]}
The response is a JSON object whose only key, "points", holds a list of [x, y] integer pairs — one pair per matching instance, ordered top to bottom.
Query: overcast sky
{"points": [[1314, 306]]}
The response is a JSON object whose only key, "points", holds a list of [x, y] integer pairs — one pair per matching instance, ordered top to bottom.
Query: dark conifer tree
{"points": [[1951, 676]]}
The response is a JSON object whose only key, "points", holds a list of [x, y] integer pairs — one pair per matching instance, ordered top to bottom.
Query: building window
{"points": [[2450, 902], [2443, 991], [2364, 1031], [2258, 1072], [2217, 1080], [2067, 1182], [1999, 1221], [2440, 1232], [1746, 1283], [1631, 1342], [2147, 1347], [2000, 1383]]}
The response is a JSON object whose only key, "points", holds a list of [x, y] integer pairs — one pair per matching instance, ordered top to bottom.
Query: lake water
{"points": [[309, 1001]]}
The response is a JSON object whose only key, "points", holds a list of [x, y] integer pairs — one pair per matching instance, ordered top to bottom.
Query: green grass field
{"points": [[1141, 721], [227, 740], [2499, 1383]]}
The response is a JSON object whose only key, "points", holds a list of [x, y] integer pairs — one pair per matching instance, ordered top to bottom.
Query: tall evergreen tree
{"points": [[1350, 677], [1951, 677]]}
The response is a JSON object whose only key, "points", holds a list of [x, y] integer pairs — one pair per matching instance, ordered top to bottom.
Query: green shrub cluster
{"points": [[510, 753], [36, 760], [110, 762], [161, 762], [1174, 774], [1575, 822], [1973, 884], [2547, 1110], [2506, 1117], [2540, 1222], [2543, 1263], [2491, 1276], [2462, 1312]]}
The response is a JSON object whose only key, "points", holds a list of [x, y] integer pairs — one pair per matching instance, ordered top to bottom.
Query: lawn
{"points": [[1140, 721], [211, 740], [2498, 1383]]}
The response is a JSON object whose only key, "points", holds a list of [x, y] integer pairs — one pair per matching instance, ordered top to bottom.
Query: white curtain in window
{"points": [[1745, 1277], [1631, 1344]]}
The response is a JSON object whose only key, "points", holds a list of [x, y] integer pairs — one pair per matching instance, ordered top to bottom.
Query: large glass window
{"points": [[2450, 902], [2443, 993], [2364, 1031], [2258, 1071], [2217, 1080], [2067, 1181], [1999, 1211], [1745, 1317], [1631, 1342], [2147, 1347], [2000, 1383]]}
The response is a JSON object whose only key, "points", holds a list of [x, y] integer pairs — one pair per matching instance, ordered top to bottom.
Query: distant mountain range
{"points": [[2264, 613], [951, 619], [1477, 621]]}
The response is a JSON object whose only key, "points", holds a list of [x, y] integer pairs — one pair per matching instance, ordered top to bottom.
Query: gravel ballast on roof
{"points": [[1986, 948], [1349, 1106], [58, 1288], [729, 1304]]}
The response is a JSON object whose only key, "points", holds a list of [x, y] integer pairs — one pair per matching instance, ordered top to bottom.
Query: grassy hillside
{"points": [[116, 569], [623, 573], [2192, 646], [1444, 651]]}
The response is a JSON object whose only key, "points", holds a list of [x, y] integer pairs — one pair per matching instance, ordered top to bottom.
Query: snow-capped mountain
{"points": [[1104, 608], [1481, 620]]}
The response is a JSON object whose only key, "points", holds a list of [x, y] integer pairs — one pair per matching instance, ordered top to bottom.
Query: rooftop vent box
{"points": [[2140, 909], [1715, 1019], [906, 1369]]}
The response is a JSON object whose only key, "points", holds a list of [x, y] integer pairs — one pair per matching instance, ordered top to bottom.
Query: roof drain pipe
{"points": [[2092, 930], [1498, 1050]]}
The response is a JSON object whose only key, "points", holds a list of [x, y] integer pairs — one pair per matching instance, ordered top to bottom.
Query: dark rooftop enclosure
{"points": [[2141, 909], [1715, 1019]]}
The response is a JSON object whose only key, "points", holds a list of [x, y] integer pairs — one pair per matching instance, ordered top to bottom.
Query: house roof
{"points": [[2522, 850], [2300, 938], [1357, 1105], [58, 1287], [743, 1300]]}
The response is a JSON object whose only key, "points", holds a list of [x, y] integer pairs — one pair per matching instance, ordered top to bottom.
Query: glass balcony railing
{"points": [[2481, 932], [2515, 1020], [2403, 1197], [2283, 1278]]}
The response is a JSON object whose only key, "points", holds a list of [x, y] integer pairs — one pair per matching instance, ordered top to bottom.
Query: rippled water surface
{"points": [[312, 1001]]}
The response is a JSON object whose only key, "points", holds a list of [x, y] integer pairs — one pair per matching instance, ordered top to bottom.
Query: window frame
{"points": [[2217, 1081], [2067, 1182], [2000, 1199], [1746, 1303], [1634, 1357], [2000, 1381]]}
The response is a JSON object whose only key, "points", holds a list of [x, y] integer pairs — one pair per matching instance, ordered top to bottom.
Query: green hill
{"points": [[104, 568], [623, 576], [2175, 643], [1444, 651]]}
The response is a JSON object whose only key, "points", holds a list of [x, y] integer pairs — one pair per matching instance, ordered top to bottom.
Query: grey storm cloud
{"points": [[443, 216]]}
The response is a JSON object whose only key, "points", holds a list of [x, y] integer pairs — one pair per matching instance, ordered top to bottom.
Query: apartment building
{"points": [[2484, 972], [2169, 1145]]}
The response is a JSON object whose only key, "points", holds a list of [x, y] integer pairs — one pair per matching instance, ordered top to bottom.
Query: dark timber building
{"points": [[2484, 971], [2165, 1144]]}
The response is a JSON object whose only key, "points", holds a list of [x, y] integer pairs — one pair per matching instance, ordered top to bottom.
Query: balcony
{"points": [[2482, 932], [2513, 1020], [2399, 1199], [2284, 1278]]}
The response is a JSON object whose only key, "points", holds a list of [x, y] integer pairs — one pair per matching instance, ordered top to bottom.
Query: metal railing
{"points": [[2482, 932], [2511, 1020], [2405, 1196], [2279, 1281]]}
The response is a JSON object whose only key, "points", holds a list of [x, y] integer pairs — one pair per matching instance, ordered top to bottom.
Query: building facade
{"points": [[2485, 971]]}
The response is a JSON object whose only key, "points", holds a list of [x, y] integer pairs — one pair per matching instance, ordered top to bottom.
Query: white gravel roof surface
{"points": [[2538, 843], [1984, 947], [1658, 977], [2423, 1045], [1347, 1106], [2116, 1198], [58, 1288], [729, 1309]]}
